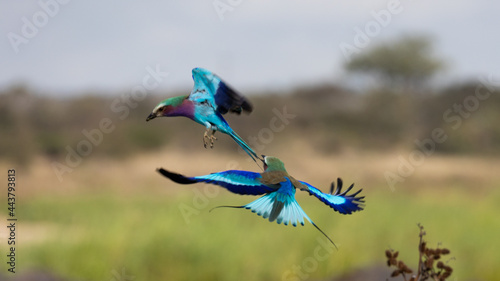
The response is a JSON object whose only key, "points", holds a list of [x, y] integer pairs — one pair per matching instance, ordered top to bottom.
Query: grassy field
{"points": [[108, 219]]}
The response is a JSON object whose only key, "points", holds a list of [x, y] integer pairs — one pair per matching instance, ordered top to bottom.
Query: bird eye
{"points": [[161, 108]]}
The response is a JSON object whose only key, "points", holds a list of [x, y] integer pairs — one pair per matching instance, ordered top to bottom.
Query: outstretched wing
{"points": [[208, 87], [239, 182], [338, 200]]}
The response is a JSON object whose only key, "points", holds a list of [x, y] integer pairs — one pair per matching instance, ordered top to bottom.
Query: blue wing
{"points": [[209, 88], [239, 182], [338, 200]]}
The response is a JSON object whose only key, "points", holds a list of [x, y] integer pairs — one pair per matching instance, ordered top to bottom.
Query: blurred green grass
{"points": [[91, 236]]}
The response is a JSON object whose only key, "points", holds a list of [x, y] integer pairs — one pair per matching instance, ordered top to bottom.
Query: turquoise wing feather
{"points": [[209, 88]]}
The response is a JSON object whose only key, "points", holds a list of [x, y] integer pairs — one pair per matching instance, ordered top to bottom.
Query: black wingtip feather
{"points": [[228, 100], [178, 178], [340, 182], [348, 189], [338, 190], [356, 193], [357, 201]]}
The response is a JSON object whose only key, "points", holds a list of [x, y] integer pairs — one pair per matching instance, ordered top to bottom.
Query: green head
{"points": [[167, 107], [273, 164]]}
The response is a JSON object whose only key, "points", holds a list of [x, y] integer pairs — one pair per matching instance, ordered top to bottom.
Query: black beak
{"points": [[151, 116], [263, 159]]}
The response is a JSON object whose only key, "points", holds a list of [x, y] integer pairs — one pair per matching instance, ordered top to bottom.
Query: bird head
{"points": [[166, 107], [273, 164]]}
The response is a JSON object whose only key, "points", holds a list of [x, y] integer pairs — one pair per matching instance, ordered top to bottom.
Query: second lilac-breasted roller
{"points": [[209, 100], [278, 187]]}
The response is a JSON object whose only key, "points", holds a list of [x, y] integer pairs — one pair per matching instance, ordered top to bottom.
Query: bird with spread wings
{"points": [[210, 98], [278, 187]]}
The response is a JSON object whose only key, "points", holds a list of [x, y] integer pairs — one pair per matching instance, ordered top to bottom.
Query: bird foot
{"points": [[205, 139], [209, 139], [212, 140]]}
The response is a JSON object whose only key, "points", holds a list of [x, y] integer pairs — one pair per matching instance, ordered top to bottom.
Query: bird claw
{"points": [[205, 138], [209, 139], [212, 139]]}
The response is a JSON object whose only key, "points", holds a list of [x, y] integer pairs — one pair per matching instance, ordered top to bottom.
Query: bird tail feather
{"points": [[245, 146], [280, 207]]}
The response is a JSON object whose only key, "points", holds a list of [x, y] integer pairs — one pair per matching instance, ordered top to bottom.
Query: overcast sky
{"points": [[70, 46]]}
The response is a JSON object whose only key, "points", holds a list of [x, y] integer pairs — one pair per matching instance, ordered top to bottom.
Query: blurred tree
{"points": [[404, 64], [15, 128]]}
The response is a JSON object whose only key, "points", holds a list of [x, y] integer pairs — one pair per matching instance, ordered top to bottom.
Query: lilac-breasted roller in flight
{"points": [[209, 100], [278, 203]]}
